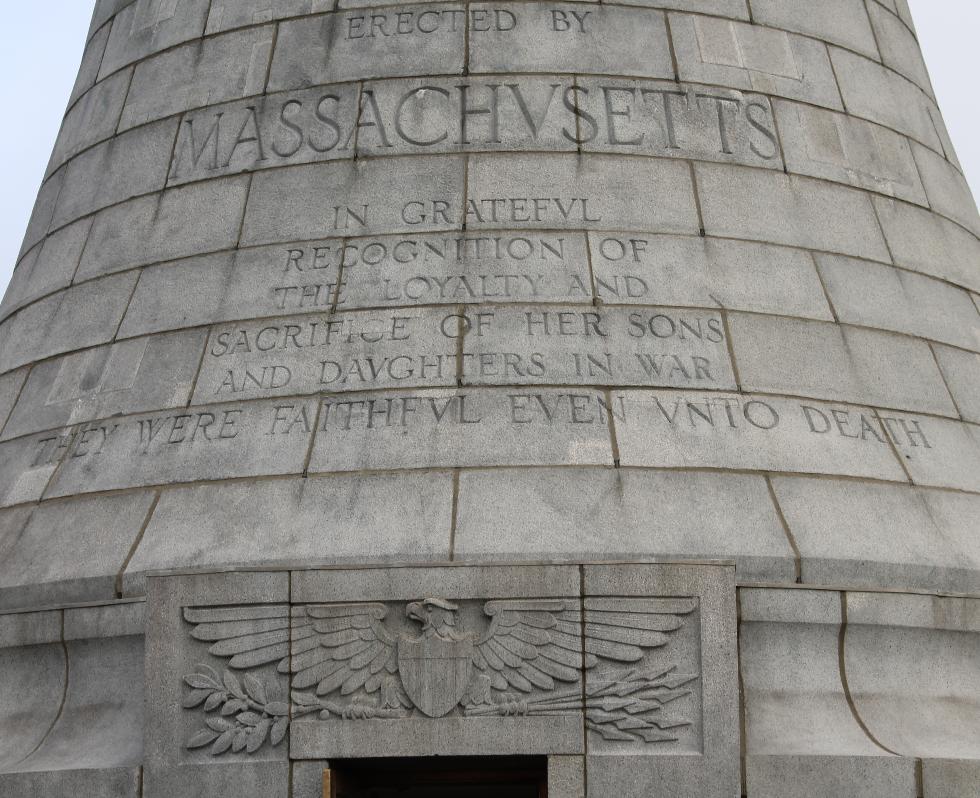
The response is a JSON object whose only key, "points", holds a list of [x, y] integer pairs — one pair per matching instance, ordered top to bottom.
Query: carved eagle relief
{"points": [[348, 662]]}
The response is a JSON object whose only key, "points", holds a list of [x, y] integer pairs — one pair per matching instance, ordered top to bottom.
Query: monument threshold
{"points": [[494, 399]]}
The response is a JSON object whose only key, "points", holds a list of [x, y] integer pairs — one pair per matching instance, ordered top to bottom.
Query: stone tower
{"points": [[548, 398]]}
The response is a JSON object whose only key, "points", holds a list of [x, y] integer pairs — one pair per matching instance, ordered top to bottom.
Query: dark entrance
{"points": [[441, 777]]}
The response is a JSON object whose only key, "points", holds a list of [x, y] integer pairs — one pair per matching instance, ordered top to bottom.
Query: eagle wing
{"points": [[531, 643], [536, 643], [334, 646]]}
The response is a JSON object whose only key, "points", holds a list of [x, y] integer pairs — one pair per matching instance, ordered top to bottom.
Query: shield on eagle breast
{"points": [[435, 672]]}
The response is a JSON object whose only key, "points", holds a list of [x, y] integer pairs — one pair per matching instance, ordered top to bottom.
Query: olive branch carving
{"points": [[248, 712]]}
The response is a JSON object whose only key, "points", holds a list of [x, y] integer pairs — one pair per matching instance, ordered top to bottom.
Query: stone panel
{"points": [[843, 22], [148, 26], [530, 37], [354, 45], [769, 61], [204, 72], [821, 143], [574, 192], [285, 204], [790, 210], [40, 221], [176, 223], [928, 243], [706, 272], [904, 302], [85, 315], [841, 363], [961, 370], [131, 376], [458, 427], [671, 429], [561, 515], [331, 520], [882, 536], [54, 562]]}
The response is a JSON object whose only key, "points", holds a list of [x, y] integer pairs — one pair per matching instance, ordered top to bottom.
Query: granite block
{"points": [[228, 14], [843, 22], [148, 26], [529, 37], [354, 45], [898, 46], [753, 58], [88, 71], [204, 72], [880, 95], [92, 119], [820, 143], [132, 163], [580, 192], [949, 194], [284, 204], [786, 209], [176, 223], [928, 243], [48, 267], [706, 272], [904, 302], [81, 316], [837, 362], [961, 370], [136, 375], [11, 384], [462, 428], [685, 429], [185, 445], [940, 453], [557, 515], [331, 520], [882, 536], [52, 562], [921, 700], [795, 703], [830, 776], [949, 778], [102, 783]]}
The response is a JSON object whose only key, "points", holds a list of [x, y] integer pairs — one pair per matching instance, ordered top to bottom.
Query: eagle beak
{"points": [[415, 611]]}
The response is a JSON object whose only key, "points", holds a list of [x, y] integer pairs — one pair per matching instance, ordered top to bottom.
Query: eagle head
{"points": [[436, 615]]}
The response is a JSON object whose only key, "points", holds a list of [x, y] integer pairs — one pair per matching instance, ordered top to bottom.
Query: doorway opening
{"points": [[440, 777]]}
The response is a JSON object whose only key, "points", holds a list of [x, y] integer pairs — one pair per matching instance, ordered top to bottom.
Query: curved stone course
{"points": [[314, 283]]}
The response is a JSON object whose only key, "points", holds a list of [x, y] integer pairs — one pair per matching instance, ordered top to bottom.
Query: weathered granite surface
{"points": [[321, 284]]}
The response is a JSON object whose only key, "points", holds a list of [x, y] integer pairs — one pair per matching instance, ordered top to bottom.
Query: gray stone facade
{"points": [[649, 331]]}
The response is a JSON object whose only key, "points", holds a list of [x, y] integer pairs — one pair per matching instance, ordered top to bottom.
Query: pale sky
{"points": [[41, 46]]}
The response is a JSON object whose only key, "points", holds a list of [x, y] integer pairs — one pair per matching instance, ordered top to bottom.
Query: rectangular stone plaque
{"points": [[630, 665]]}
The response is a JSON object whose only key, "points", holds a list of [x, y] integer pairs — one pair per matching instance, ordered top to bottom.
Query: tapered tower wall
{"points": [[314, 284]]}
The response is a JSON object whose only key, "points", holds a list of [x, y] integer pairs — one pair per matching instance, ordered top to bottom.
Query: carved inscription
{"points": [[477, 114], [490, 345], [435, 658]]}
